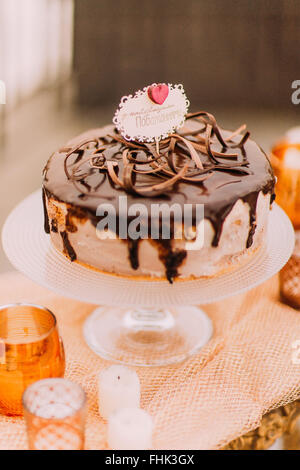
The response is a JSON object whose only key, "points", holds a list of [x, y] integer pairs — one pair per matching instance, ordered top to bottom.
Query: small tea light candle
{"points": [[118, 387], [130, 429]]}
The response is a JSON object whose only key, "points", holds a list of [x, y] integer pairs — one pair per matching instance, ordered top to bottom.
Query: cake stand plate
{"points": [[147, 322]]}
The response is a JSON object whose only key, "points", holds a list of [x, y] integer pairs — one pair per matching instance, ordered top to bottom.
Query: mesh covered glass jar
{"points": [[285, 159]]}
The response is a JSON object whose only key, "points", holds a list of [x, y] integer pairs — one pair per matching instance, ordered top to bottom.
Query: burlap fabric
{"points": [[246, 370]]}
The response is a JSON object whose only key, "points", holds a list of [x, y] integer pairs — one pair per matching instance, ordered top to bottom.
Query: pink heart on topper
{"points": [[158, 93]]}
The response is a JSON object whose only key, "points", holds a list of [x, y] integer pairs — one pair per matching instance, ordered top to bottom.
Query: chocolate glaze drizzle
{"points": [[200, 164], [46, 218], [54, 226], [133, 246], [68, 249], [172, 259]]}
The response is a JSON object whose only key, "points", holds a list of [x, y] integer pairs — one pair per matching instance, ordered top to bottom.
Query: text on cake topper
{"points": [[152, 113]]}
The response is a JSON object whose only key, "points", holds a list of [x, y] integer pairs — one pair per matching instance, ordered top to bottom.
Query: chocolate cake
{"points": [[201, 164]]}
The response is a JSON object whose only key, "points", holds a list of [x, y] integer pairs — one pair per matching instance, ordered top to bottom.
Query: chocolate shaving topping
{"points": [[161, 160], [68, 249]]}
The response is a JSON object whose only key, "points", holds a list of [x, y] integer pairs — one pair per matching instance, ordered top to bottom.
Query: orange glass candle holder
{"points": [[285, 159], [289, 277], [30, 349], [55, 412]]}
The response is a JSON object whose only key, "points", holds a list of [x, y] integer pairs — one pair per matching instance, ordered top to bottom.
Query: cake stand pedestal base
{"points": [[161, 332], [147, 336]]}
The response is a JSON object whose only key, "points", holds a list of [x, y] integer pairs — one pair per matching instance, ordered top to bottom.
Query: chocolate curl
{"points": [[204, 116], [209, 119], [184, 131], [238, 131], [243, 141], [126, 143], [207, 143], [172, 144], [157, 146], [190, 147], [202, 148], [74, 150], [161, 150], [213, 154], [230, 156], [124, 157], [159, 159], [92, 160], [98, 161], [142, 162], [94, 165], [111, 168], [155, 168], [149, 172], [78, 177], [189, 177], [192, 177], [129, 178], [198, 179], [157, 189]]}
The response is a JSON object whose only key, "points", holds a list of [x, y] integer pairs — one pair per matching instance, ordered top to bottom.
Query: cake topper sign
{"points": [[153, 113]]}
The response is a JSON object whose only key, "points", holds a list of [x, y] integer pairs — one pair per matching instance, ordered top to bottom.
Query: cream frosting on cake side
{"points": [[111, 255]]}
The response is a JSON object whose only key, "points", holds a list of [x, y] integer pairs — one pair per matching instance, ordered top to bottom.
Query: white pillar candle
{"points": [[118, 387], [130, 429]]}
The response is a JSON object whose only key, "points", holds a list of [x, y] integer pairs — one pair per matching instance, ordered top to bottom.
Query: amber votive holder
{"points": [[285, 159], [288, 180], [289, 277], [30, 350], [55, 412]]}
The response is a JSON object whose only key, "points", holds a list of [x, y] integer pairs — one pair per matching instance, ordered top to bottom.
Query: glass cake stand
{"points": [[141, 323]]}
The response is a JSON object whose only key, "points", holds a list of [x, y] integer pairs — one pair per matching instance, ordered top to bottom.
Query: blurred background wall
{"points": [[36, 46], [232, 52], [66, 63]]}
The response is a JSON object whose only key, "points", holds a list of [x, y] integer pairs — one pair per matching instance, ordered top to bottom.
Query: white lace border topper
{"points": [[153, 113]]}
